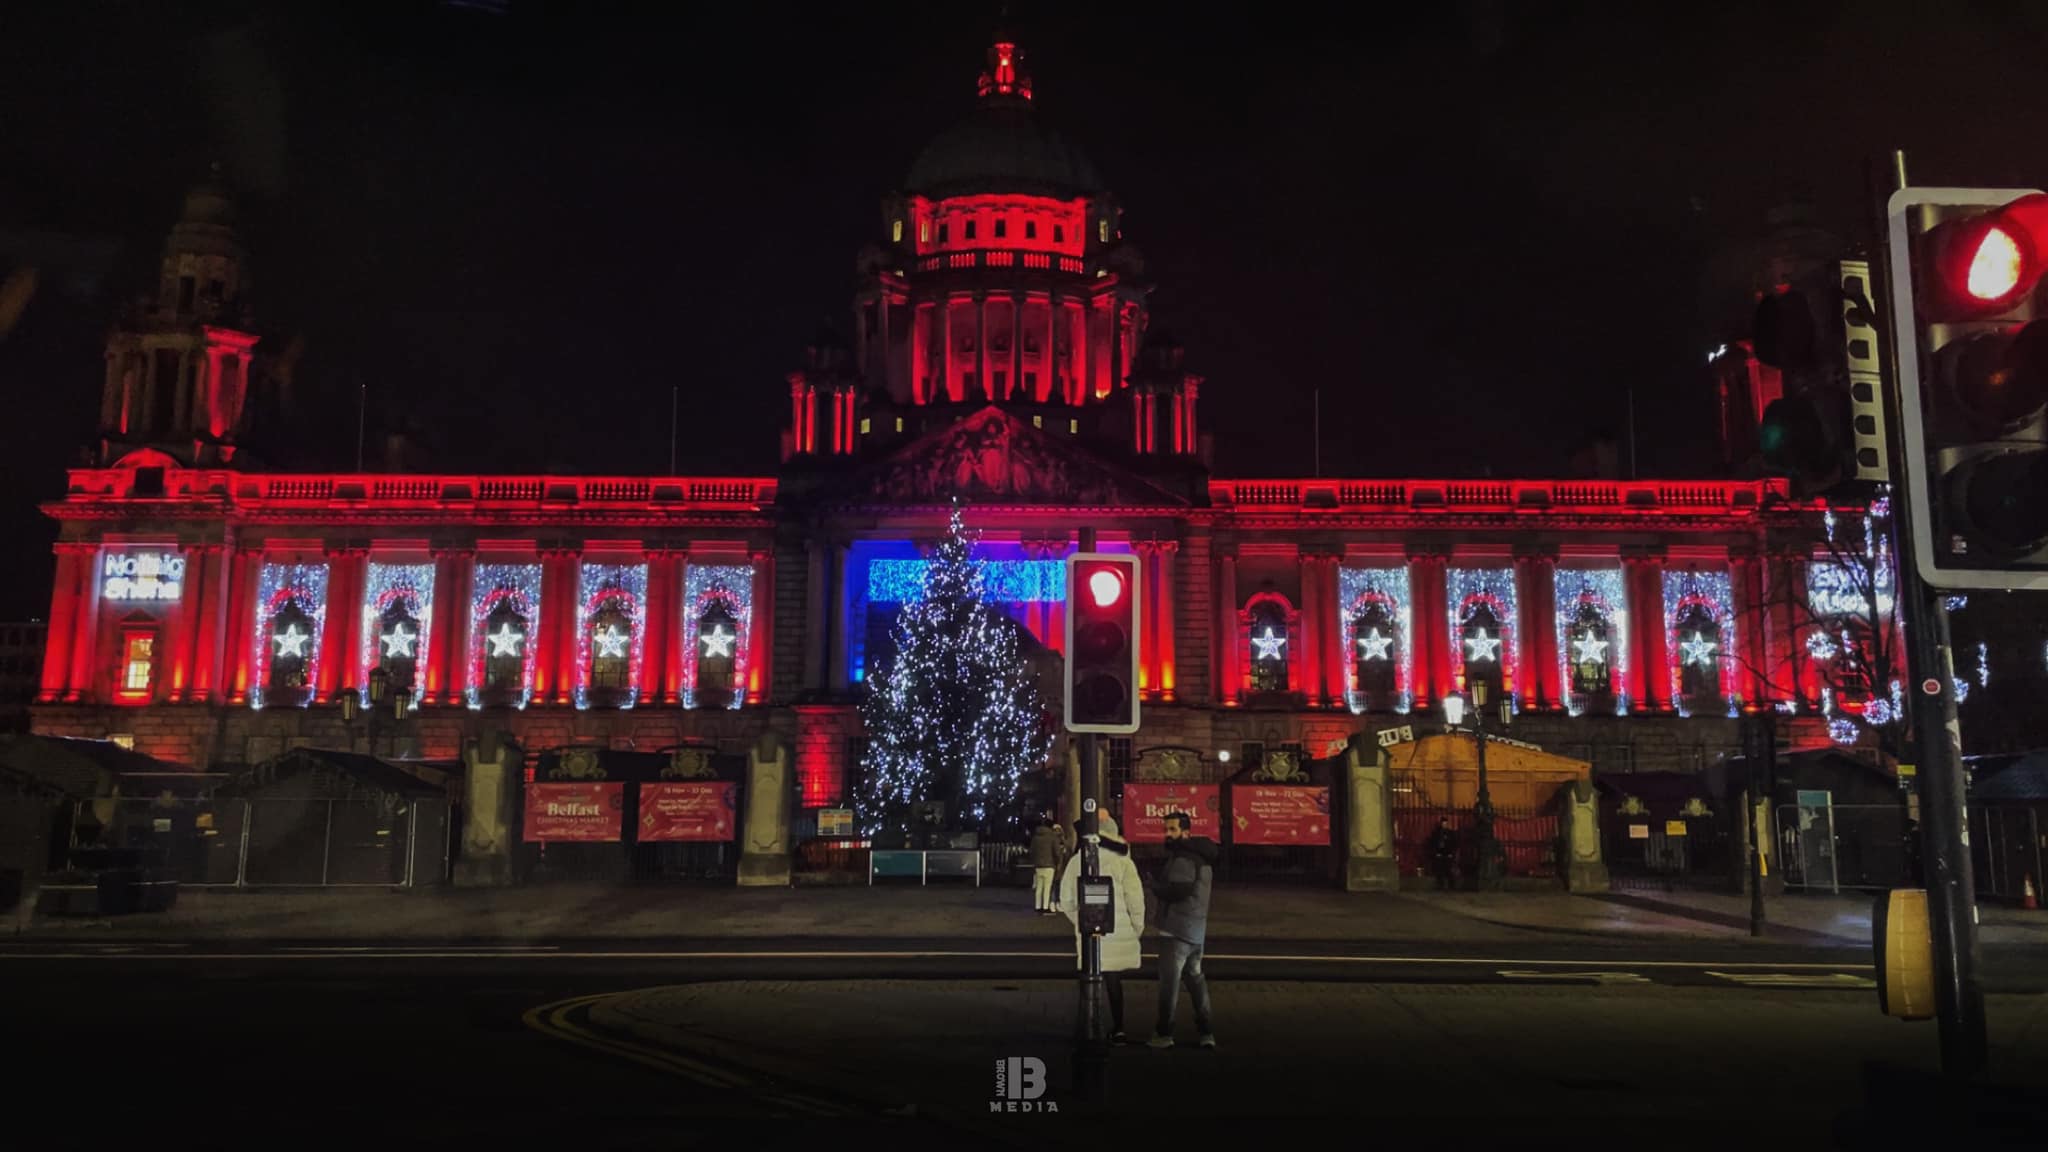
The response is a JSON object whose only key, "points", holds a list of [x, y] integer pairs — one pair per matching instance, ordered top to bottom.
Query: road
{"points": [[254, 1044]]}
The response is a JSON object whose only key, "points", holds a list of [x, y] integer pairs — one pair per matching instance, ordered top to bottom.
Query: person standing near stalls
{"points": [[1443, 851], [1045, 859], [1184, 927], [1120, 950]]}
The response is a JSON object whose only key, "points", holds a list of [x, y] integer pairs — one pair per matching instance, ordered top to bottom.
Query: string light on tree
{"points": [[953, 715]]}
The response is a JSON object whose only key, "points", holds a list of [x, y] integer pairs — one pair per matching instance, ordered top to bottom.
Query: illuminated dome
{"points": [[1001, 147]]}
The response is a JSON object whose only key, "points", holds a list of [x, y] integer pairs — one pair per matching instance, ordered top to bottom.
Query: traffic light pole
{"points": [[1951, 889], [1091, 1040]]}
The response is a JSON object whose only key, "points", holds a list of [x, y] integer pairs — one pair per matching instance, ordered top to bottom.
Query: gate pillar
{"points": [[493, 770], [765, 856], [1369, 864], [1585, 867]]}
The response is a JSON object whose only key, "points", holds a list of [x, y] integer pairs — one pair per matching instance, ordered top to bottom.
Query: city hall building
{"points": [[214, 612]]}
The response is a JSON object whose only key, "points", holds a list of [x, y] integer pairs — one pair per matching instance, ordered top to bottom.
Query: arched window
{"points": [[1266, 638], [505, 640], [1482, 640], [292, 641], [398, 644], [1375, 646], [611, 648], [1592, 652], [717, 654], [1699, 657]]}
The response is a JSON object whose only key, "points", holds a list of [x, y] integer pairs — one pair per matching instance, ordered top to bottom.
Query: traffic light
{"points": [[1973, 382], [1827, 429], [1102, 643]]}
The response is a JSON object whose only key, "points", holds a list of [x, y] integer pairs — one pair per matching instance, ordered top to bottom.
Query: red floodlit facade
{"points": [[216, 611]]}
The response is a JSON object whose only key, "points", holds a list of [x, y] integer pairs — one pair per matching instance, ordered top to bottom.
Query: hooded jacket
{"points": [[1184, 888], [1121, 951]]}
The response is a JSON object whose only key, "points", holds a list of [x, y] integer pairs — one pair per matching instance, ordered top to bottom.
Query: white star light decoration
{"points": [[718, 641], [291, 642], [398, 642], [505, 642], [611, 642], [1375, 646], [1268, 647], [1482, 647], [1698, 650], [1590, 651]]}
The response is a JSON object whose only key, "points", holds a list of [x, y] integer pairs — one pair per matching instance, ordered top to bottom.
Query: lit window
{"points": [[1102, 230], [924, 231], [896, 232], [1038, 421], [899, 423], [863, 425], [1074, 426], [137, 662], [122, 740]]}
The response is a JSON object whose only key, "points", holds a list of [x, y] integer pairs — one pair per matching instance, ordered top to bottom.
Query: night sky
{"points": [[521, 224]]}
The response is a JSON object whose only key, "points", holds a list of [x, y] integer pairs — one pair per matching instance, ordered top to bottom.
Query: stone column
{"points": [[1116, 343], [1016, 346], [1085, 349], [920, 351], [1049, 357], [888, 373], [946, 374], [981, 377], [113, 403], [1163, 562], [1536, 588], [66, 607], [814, 616], [659, 620], [209, 623], [761, 630], [239, 634], [342, 634], [1229, 634], [454, 637], [1429, 641], [1305, 645], [182, 646], [682, 655], [1654, 655], [1751, 666], [837, 667], [84, 683], [765, 853], [1369, 865]]}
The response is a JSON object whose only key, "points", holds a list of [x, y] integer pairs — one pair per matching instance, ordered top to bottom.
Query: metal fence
{"points": [[280, 841], [2007, 846], [1830, 847]]}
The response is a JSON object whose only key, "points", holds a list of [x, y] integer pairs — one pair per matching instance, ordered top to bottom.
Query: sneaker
{"points": [[1118, 1039], [1208, 1041], [1160, 1042]]}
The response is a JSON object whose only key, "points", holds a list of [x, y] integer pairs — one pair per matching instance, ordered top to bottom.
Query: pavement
{"points": [[1272, 913]]}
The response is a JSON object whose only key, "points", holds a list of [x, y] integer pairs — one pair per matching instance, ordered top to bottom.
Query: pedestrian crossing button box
{"points": [[1098, 905]]}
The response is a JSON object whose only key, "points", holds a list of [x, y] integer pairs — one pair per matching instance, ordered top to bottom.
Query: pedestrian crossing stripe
{"points": [[1796, 979]]}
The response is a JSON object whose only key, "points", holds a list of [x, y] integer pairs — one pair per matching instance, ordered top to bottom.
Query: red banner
{"points": [[1146, 807], [688, 810], [588, 812], [1280, 814]]}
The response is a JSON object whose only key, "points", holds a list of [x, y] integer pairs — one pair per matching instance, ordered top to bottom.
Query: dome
{"points": [[1002, 148]]}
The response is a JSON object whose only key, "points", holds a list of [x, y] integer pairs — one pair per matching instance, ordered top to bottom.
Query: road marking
{"points": [[408, 949], [344, 953], [1598, 977], [1796, 979], [553, 1020]]}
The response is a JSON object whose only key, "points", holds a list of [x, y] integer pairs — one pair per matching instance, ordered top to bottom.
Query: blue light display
{"points": [[1009, 581]]}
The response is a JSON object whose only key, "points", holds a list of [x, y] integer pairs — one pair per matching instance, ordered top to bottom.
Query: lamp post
{"points": [[380, 687], [1482, 809]]}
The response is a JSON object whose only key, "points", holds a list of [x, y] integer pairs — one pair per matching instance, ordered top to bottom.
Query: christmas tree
{"points": [[953, 716]]}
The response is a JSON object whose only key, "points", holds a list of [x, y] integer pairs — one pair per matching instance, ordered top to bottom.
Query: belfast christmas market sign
{"points": [[131, 577], [1147, 805], [688, 810], [586, 812], [1279, 814]]}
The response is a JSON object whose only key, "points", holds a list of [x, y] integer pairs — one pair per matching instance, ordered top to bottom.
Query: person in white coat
{"points": [[1121, 952]]}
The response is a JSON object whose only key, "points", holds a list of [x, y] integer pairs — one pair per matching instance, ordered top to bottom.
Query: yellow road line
{"points": [[553, 1020]]}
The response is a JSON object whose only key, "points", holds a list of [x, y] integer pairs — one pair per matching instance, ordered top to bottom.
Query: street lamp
{"points": [[380, 687], [1482, 810]]}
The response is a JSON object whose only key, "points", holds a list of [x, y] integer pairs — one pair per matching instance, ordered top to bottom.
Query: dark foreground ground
{"points": [[373, 1046]]}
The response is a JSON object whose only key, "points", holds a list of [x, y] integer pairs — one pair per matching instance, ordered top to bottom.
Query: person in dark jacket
{"points": [[1443, 851], [1045, 860], [1184, 927]]}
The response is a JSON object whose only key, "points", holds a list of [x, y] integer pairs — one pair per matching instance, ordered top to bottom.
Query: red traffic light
{"points": [[1986, 264], [1105, 587]]}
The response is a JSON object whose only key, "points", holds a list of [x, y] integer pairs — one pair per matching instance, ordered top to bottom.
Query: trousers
{"points": [[1041, 888], [1180, 964]]}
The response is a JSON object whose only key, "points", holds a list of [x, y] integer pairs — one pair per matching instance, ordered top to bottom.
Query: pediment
{"points": [[994, 457]]}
